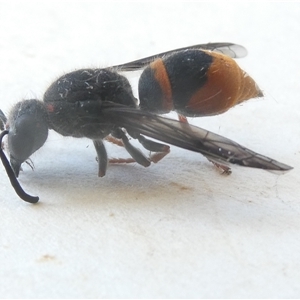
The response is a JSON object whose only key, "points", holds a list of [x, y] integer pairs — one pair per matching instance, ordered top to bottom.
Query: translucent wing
{"points": [[229, 49], [215, 147]]}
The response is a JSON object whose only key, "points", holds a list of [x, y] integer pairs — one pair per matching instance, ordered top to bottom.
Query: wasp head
{"points": [[27, 126]]}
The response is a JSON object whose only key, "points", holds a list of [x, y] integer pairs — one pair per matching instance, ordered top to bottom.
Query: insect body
{"points": [[194, 82], [95, 103]]}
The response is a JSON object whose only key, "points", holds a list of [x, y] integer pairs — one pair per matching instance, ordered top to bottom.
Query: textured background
{"points": [[178, 228]]}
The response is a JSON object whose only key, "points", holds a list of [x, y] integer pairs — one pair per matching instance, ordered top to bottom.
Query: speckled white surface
{"points": [[178, 228]]}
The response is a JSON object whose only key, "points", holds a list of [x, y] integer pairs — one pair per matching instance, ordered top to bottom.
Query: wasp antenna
{"points": [[12, 177]]}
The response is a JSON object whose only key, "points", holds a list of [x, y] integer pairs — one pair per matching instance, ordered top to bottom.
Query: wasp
{"points": [[97, 103]]}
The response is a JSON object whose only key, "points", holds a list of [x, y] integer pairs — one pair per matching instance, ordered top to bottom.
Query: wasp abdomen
{"points": [[195, 83], [227, 85]]}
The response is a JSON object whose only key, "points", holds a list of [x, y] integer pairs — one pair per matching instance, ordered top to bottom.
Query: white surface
{"points": [[178, 228]]}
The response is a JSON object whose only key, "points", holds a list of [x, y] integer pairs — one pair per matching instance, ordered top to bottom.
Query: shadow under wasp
{"points": [[198, 80]]}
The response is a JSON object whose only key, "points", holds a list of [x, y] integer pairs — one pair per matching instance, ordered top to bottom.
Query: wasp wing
{"points": [[229, 49], [215, 147]]}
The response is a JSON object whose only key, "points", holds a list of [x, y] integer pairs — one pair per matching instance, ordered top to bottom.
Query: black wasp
{"points": [[97, 103]]}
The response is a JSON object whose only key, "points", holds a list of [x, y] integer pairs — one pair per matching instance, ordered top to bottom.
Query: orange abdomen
{"points": [[195, 83], [227, 85]]}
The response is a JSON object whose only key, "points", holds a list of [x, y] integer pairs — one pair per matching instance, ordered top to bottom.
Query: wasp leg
{"points": [[182, 118], [114, 140], [118, 142], [151, 145], [161, 149], [136, 154], [102, 157], [156, 157], [121, 160], [224, 169]]}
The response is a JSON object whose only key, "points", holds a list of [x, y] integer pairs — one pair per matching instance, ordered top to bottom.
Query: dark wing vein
{"points": [[215, 147]]}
